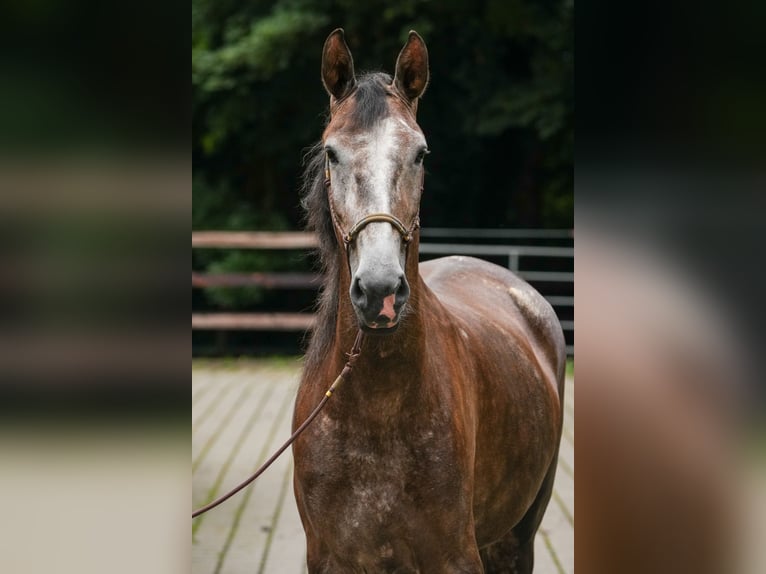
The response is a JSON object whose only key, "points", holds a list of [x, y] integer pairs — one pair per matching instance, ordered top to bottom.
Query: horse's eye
{"points": [[331, 155], [421, 155]]}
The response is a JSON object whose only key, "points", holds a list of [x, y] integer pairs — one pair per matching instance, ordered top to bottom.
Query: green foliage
{"points": [[252, 53], [498, 113], [217, 207], [237, 261]]}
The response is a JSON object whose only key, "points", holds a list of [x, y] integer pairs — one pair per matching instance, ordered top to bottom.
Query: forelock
{"points": [[369, 101]]}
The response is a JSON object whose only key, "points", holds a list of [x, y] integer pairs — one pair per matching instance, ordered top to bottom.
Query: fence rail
{"points": [[497, 233], [254, 239], [297, 240], [267, 280], [255, 321]]}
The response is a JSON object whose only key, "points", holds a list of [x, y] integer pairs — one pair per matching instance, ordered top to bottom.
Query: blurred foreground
{"points": [[95, 205], [670, 315], [671, 466]]}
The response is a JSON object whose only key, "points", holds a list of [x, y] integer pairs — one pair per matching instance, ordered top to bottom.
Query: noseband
{"points": [[348, 238]]}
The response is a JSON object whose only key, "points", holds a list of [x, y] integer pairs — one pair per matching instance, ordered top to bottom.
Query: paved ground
{"points": [[240, 414]]}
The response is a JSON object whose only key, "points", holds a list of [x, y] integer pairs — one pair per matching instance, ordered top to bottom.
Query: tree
{"points": [[498, 114]]}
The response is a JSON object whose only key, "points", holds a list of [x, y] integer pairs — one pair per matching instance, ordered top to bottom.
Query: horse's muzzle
{"points": [[378, 301]]}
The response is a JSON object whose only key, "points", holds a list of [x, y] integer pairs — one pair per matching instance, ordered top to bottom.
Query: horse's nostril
{"points": [[402, 290], [357, 291]]}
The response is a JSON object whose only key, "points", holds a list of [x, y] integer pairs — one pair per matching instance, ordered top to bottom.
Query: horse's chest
{"points": [[366, 460], [383, 483]]}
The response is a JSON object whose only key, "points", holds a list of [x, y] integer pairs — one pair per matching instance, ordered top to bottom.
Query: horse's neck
{"points": [[386, 356]]}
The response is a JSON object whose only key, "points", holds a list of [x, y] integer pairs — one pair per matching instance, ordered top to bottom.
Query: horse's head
{"points": [[374, 171]]}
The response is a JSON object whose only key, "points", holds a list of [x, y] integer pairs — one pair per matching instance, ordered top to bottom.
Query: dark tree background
{"points": [[498, 113]]}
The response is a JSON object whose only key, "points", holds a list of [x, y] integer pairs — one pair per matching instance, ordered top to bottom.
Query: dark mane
{"points": [[370, 100], [370, 106], [318, 219]]}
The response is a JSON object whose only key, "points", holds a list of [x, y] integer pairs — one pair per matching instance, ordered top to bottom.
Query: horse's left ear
{"points": [[337, 66], [411, 75]]}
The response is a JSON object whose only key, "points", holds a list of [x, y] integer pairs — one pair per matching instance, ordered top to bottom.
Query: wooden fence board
{"points": [[255, 321]]}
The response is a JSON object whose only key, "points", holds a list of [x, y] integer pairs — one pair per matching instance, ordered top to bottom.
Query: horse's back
{"points": [[492, 297]]}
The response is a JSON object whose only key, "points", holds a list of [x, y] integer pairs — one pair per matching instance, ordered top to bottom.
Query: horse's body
{"points": [[438, 454]]}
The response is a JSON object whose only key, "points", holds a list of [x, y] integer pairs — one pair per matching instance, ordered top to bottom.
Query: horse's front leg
{"points": [[319, 561], [468, 562], [326, 565], [464, 568]]}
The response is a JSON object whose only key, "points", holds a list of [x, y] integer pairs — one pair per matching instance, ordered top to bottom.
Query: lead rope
{"points": [[356, 349]]}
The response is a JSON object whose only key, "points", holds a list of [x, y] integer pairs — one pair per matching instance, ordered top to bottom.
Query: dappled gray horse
{"points": [[438, 454]]}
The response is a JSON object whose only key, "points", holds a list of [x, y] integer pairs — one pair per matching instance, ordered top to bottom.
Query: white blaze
{"points": [[371, 159]]}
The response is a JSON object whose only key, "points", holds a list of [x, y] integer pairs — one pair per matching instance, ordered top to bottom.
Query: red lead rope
{"points": [[352, 356]]}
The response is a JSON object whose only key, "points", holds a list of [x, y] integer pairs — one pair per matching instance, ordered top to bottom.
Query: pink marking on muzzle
{"points": [[388, 307]]}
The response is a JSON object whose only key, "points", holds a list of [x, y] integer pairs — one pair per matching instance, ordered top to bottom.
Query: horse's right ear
{"points": [[337, 66], [411, 77]]}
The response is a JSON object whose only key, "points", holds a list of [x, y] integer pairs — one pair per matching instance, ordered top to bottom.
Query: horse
{"points": [[438, 454]]}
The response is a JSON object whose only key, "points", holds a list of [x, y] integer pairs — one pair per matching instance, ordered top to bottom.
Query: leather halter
{"points": [[348, 238]]}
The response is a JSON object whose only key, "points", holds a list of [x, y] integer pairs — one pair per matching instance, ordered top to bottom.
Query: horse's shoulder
{"points": [[485, 281], [482, 293]]}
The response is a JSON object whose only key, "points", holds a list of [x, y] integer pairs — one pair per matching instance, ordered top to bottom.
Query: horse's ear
{"points": [[337, 65], [411, 75]]}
